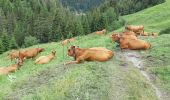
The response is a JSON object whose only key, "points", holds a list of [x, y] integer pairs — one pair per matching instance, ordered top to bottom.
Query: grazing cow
{"points": [[137, 29], [101, 32], [66, 41], [30, 53], [92, 54], [45, 59], [11, 68]]}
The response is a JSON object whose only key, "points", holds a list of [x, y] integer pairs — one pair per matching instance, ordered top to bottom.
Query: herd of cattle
{"points": [[126, 40]]}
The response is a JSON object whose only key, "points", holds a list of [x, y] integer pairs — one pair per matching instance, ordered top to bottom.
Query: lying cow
{"points": [[137, 29], [101, 32], [154, 34], [66, 41], [131, 43], [134, 44], [30, 53], [13, 54], [91, 54], [45, 59], [12, 68]]}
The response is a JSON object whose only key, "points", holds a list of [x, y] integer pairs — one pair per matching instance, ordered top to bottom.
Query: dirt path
{"points": [[135, 58]]}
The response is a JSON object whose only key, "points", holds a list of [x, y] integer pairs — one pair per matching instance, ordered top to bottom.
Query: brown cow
{"points": [[137, 29], [101, 32], [129, 34], [145, 34], [154, 34], [116, 37], [66, 41], [130, 43], [134, 44], [30, 53], [13, 54], [92, 54], [45, 59], [11, 68]]}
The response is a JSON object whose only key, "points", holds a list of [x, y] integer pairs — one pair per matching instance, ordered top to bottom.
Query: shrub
{"points": [[165, 31], [30, 40]]}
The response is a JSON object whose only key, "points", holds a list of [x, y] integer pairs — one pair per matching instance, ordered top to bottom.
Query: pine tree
{"points": [[86, 25], [79, 28], [5, 40], [13, 44], [1, 47]]}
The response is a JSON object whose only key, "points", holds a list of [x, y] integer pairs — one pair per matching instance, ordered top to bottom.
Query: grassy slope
{"points": [[157, 59], [94, 80]]}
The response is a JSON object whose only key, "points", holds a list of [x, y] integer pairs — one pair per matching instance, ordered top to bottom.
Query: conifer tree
{"points": [[5, 40]]}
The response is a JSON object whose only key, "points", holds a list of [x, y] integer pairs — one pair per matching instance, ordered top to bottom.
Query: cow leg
{"points": [[72, 62]]}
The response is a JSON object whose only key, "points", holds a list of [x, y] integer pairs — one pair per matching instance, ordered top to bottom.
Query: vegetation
{"points": [[81, 5], [48, 20], [165, 31], [30, 41], [157, 59], [115, 79], [90, 80]]}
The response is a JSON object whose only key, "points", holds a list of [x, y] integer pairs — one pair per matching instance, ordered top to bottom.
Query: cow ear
{"points": [[74, 46]]}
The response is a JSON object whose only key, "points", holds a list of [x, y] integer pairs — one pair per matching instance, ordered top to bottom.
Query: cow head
{"points": [[115, 37], [40, 49], [71, 51], [53, 52], [19, 62]]}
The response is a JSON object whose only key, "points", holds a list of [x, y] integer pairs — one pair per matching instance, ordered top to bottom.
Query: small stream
{"points": [[134, 57]]}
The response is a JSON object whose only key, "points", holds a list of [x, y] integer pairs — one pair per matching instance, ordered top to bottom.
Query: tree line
{"points": [[28, 22]]}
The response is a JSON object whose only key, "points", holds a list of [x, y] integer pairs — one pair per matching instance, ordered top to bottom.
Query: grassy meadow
{"points": [[157, 58], [90, 80], [112, 80]]}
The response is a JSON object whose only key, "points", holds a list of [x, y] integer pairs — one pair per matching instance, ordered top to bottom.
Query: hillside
{"points": [[81, 5], [154, 19], [157, 59], [116, 79]]}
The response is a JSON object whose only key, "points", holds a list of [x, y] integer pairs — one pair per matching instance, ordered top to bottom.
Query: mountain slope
{"points": [[154, 19], [112, 80]]}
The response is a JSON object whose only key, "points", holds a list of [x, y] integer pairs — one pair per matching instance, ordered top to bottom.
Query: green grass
{"points": [[154, 19], [157, 59], [90, 80], [94, 80]]}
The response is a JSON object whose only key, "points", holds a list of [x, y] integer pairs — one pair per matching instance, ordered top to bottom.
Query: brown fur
{"points": [[137, 29], [101, 32], [154, 34], [66, 41], [130, 43], [134, 44], [30, 53], [13, 54], [92, 54], [45, 59], [12, 68]]}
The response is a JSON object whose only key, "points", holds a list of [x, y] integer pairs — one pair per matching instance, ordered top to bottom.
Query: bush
{"points": [[165, 31], [30, 40], [13, 44]]}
